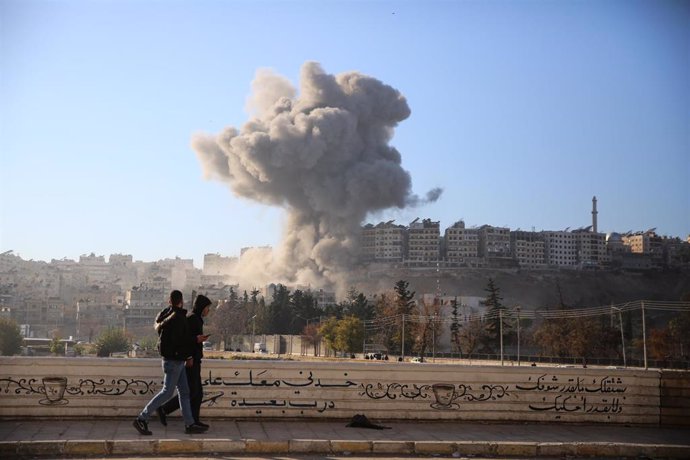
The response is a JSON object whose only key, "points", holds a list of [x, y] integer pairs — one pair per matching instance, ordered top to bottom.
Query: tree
{"points": [[357, 305], [404, 306], [303, 307], [279, 312], [496, 315], [455, 327], [679, 327], [428, 331], [329, 333], [349, 333], [472, 335], [312, 336], [550, 337], [10, 338], [110, 341], [659, 344], [56, 347]]}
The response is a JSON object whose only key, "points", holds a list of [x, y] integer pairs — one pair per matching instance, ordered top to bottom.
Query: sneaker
{"points": [[162, 417], [202, 424], [142, 427], [194, 428]]}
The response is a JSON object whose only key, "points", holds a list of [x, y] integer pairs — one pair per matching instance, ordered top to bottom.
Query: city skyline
{"points": [[519, 112]]}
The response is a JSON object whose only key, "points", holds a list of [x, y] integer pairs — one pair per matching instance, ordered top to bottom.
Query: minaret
{"points": [[594, 214]]}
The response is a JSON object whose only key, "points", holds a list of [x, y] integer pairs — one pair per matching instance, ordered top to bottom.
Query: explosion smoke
{"points": [[324, 157]]}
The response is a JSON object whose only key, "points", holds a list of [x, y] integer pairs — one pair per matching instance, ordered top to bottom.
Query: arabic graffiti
{"points": [[236, 380], [254, 380], [54, 388], [302, 390], [577, 394], [445, 395]]}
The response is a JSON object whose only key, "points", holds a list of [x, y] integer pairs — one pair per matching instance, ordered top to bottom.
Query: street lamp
{"points": [[253, 318], [620, 322]]}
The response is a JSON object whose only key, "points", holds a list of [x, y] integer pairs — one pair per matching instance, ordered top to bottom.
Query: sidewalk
{"points": [[103, 437]]}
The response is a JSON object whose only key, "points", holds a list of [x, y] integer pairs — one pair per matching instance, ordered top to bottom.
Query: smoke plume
{"points": [[324, 157]]}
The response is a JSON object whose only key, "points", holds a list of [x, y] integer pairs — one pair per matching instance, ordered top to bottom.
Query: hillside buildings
{"points": [[79, 298]]}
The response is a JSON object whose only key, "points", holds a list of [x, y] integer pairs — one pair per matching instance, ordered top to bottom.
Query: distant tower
{"points": [[594, 214]]}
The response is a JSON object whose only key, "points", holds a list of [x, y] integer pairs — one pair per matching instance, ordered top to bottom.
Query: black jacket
{"points": [[196, 327], [173, 333]]}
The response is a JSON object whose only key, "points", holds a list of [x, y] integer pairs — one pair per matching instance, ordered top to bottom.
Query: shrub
{"points": [[10, 338], [110, 341]]}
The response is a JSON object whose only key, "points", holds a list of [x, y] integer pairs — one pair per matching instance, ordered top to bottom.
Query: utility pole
{"points": [[500, 319], [620, 322], [518, 334], [644, 336], [402, 344]]}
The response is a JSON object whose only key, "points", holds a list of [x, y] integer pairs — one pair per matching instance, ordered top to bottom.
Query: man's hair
{"points": [[175, 298]]}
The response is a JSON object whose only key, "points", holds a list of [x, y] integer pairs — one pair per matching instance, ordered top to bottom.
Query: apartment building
{"points": [[384, 242], [423, 242], [644, 243], [462, 245], [494, 245], [591, 248], [528, 249], [560, 249], [215, 264], [142, 304]]}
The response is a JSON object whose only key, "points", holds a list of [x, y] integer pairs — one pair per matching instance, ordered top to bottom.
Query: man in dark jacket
{"points": [[195, 323], [174, 347]]}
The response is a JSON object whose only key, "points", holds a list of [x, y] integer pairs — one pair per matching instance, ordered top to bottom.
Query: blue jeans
{"points": [[174, 376]]}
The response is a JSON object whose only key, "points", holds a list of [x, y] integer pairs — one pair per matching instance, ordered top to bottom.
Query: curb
{"points": [[100, 448]]}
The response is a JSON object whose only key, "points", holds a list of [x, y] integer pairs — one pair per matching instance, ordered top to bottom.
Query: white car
{"points": [[417, 359]]}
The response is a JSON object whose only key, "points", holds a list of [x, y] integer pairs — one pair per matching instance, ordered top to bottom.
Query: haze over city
{"points": [[518, 112]]}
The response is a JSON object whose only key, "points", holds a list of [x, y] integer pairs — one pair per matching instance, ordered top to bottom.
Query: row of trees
{"points": [[397, 323], [111, 340]]}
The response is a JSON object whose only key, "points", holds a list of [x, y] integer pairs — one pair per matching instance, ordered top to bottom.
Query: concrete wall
{"points": [[112, 387]]}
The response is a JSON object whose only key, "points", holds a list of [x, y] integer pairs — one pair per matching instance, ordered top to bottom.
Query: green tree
{"points": [[356, 304], [404, 306], [303, 307], [496, 314], [279, 317], [455, 327], [329, 333], [349, 333], [10, 338], [110, 341], [149, 343], [57, 347]]}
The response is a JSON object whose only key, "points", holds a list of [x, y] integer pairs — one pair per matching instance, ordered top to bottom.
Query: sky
{"points": [[521, 111]]}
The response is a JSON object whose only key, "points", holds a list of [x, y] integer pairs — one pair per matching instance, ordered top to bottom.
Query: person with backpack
{"points": [[174, 347]]}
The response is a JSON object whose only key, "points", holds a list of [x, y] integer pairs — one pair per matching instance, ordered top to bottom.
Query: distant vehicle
{"points": [[208, 346], [260, 347], [378, 356], [417, 359]]}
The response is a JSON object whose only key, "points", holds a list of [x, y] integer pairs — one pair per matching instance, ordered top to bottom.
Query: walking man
{"points": [[195, 323], [175, 348]]}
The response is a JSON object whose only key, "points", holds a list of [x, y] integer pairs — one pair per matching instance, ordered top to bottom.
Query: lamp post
{"points": [[253, 318], [620, 322], [518, 334]]}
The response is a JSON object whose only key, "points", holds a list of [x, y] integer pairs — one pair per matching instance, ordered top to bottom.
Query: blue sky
{"points": [[521, 112]]}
